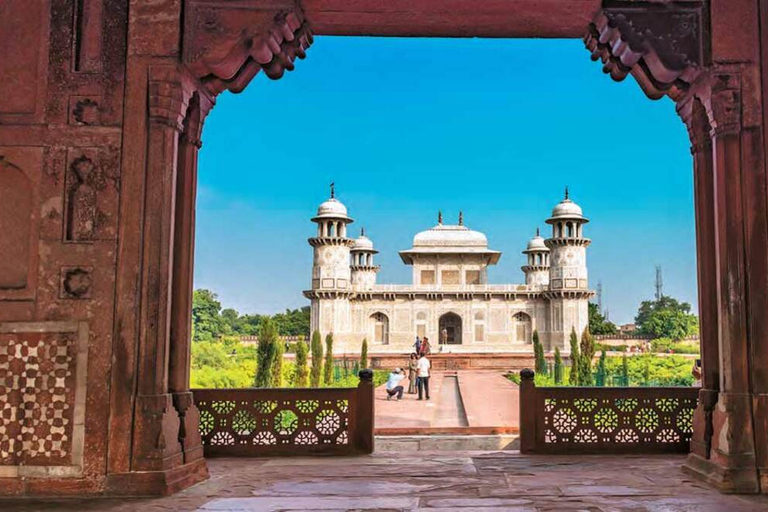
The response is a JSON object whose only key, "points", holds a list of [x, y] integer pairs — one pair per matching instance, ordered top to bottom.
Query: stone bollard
{"points": [[527, 411], [364, 415]]}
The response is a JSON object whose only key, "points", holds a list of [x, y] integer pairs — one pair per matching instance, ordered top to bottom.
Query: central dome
{"points": [[451, 236]]}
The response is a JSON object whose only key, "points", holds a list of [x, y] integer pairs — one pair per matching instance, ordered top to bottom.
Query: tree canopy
{"points": [[666, 318], [210, 322], [598, 324]]}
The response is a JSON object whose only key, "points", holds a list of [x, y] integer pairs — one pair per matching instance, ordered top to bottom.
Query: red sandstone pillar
{"points": [[695, 116], [527, 411], [156, 441], [732, 458]]}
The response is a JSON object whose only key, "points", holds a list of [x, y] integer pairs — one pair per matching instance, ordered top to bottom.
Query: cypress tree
{"points": [[538, 352], [265, 353], [587, 353], [364, 355], [317, 360], [558, 367], [328, 368], [625, 371], [647, 372], [276, 377], [301, 377], [600, 377], [573, 379]]}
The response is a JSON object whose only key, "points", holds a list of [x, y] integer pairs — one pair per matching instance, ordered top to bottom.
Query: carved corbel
{"points": [[267, 39], [659, 43]]}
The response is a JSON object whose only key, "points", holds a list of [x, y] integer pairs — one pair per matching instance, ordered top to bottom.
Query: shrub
{"points": [[538, 352], [265, 353], [586, 354], [363, 355], [317, 360], [575, 363], [558, 367], [328, 368], [276, 370], [301, 375]]}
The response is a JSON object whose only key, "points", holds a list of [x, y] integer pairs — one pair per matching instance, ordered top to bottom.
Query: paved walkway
{"points": [[487, 400], [461, 482]]}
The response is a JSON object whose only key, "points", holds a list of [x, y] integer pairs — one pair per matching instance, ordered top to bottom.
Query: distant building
{"points": [[449, 300], [627, 329]]}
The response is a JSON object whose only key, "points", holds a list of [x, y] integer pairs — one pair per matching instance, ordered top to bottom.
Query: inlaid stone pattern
{"points": [[40, 410]]}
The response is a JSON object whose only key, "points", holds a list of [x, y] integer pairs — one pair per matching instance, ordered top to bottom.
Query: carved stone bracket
{"points": [[268, 39], [661, 44]]}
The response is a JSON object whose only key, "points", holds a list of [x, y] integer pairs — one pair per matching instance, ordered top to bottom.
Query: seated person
{"points": [[393, 384]]}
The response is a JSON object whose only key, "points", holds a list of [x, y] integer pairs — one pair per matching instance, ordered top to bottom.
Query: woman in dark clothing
{"points": [[412, 365]]}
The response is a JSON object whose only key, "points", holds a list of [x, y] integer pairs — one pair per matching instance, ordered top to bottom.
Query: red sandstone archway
{"points": [[124, 87]]}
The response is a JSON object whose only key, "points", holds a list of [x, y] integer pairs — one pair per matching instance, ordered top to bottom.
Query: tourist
{"points": [[417, 345], [425, 348], [413, 366], [696, 372], [423, 373], [393, 384]]}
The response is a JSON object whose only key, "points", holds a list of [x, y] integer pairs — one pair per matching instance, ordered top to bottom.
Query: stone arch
{"points": [[16, 217], [522, 327], [380, 328], [449, 328]]}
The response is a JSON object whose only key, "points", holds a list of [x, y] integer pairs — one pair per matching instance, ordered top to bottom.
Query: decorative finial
{"points": [[333, 190], [566, 192], [440, 216], [461, 218], [362, 231], [537, 232]]}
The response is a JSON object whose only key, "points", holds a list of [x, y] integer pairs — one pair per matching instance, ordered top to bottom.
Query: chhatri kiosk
{"points": [[449, 299]]}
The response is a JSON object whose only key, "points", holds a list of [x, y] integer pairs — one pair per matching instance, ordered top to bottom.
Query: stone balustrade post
{"points": [[527, 411], [364, 415]]}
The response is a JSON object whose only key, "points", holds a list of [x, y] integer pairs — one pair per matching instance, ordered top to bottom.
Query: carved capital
{"points": [[659, 43], [166, 100], [725, 104]]}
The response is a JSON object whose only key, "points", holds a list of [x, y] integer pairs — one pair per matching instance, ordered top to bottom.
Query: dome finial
{"points": [[333, 190], [566, 192], [440, 216], [461, 218], [362, 231], [537, 232]]}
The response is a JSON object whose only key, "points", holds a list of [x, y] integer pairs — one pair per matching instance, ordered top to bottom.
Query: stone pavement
{"points": [[478, 388], [461, 482]]}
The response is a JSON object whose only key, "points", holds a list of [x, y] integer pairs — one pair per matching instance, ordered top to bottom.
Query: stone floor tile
{"points": [[340, 503]]}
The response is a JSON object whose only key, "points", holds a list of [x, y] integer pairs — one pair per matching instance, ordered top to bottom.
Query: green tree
{"points": [[666, 318], [293, 322], [598, 323], [207, 325], [538, 352], [587, 352], [265, 354], [364, 354], [575, 359], [317, 360], [558, 367], [328, 368], [601, 371], [625, 371], [276, 377], [301, 377]]}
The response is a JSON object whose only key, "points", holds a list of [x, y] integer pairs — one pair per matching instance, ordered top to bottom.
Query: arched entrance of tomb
{"points": [[134, 109], [380, 328], [522, 328], [449, 329]]}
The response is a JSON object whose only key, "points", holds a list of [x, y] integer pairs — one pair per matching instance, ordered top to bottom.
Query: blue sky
{"points": [[406, 127]]}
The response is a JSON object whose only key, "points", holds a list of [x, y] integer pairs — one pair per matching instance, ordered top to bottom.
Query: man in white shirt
{"points": [[423, 367], [393, 384]]}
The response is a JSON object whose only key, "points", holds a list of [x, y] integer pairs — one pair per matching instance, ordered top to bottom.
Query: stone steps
{"points": [[435, 442]]}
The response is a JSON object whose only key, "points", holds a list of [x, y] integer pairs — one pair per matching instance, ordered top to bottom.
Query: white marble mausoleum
{"points": [[449, 299]]}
